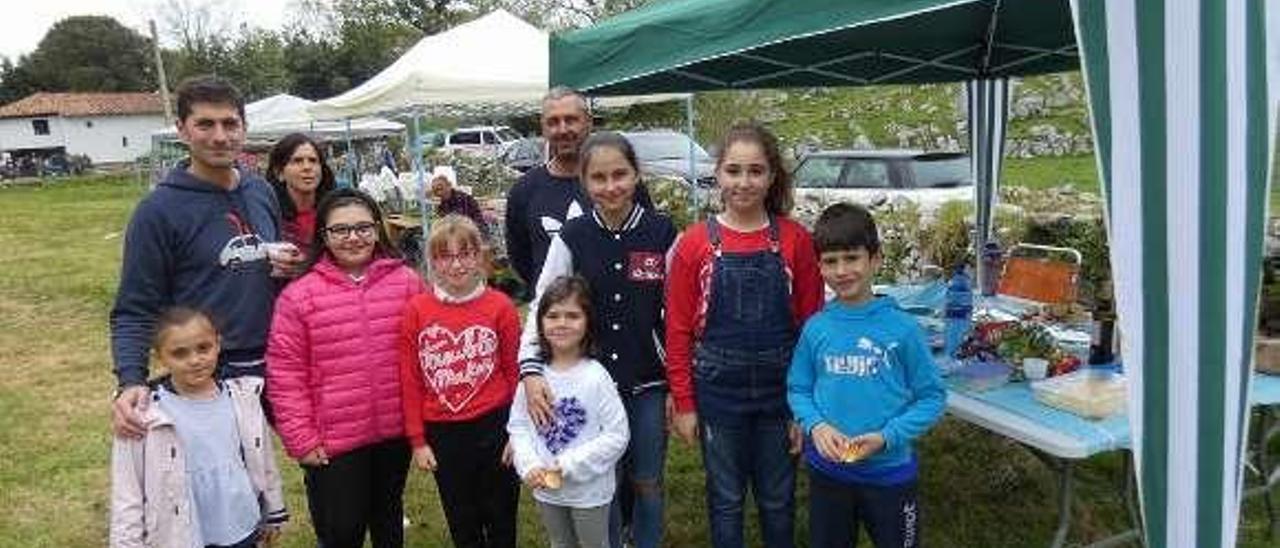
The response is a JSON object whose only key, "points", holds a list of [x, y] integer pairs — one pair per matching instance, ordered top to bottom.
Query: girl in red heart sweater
{"points": [[458, 375]]}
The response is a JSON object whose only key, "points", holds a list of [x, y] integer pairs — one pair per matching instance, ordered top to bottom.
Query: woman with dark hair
{"points": [[300, 174], [333, 374]]}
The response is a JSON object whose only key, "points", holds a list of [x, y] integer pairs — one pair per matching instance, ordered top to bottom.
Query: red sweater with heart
{"points": [[457, 359]]}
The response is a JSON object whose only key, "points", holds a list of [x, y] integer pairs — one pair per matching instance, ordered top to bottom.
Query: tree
{"points": [[566, 14], [428, 16], [202, 28], [202, 31], [371, 35], [90, 53], [256, 63], [312, 65], [15, 80]]}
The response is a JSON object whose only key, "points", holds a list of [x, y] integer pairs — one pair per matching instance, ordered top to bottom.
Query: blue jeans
{"points": [[749, 449], [638, 502], [890, 513]]}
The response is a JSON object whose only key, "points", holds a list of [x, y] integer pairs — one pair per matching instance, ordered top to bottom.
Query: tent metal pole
{"points": [[351, 159], [693, 162], [424, 207]]}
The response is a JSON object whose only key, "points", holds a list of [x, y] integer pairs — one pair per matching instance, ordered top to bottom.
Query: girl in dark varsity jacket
{"points": [[620, 248]]}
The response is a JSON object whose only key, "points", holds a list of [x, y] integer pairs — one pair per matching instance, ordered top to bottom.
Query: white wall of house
{"points": [[102, 138]]}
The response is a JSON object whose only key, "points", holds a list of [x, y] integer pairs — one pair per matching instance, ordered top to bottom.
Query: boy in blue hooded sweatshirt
{"points": [[863, 386]]}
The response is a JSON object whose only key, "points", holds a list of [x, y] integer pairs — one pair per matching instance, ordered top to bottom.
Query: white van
{"points": [[483, 140]]}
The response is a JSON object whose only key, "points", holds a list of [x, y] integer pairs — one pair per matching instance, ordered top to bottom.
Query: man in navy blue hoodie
{"points": [[199, 240]]}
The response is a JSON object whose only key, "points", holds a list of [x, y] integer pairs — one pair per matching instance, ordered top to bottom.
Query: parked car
{"points": [[485, 140], [661, 153], [666, 153], [524, 154], [873, 177]]}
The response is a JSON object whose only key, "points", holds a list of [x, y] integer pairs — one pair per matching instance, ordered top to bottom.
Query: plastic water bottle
{"points": [[959, 311]]}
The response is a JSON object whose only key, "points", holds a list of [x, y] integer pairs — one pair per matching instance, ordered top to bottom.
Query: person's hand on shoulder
{"points": [[538, 398], [127, 409]]}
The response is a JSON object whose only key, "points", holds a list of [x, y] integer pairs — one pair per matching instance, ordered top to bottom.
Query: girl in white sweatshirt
{"points": [[569, 463]]}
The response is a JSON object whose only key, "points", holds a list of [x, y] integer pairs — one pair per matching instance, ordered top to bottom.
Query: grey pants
{"points": [[576, 527]]}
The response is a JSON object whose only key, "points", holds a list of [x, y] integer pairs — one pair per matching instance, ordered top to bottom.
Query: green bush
{"points": [[485, 175], [674, 197], [914, 243]]}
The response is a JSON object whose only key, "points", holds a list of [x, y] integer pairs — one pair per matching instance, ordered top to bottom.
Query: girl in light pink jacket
{"points": [[333, 375], [203, 474]]}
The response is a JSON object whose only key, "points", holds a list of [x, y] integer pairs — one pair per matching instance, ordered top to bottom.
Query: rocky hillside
{"points": [[1049, 116]]}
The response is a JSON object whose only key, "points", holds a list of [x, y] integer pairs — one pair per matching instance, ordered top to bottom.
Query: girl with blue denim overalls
{"points": [[620, 249], [740, 286]]}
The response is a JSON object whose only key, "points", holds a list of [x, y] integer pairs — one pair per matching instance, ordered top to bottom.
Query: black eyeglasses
{"points": [[363, 230]]}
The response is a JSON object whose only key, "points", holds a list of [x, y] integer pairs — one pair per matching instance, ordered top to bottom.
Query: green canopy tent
{"points": [[745, 44], [1183, 101], [1183, 139]]}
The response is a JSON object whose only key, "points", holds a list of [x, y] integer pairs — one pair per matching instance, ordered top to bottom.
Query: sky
{"points": [[22, 28]]}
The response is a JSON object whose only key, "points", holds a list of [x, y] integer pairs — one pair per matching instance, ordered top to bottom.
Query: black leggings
{"points": [[357, 492], [479, 494]]}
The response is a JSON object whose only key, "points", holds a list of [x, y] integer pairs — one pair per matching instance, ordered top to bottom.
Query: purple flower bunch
{"points": [[568, 418]]}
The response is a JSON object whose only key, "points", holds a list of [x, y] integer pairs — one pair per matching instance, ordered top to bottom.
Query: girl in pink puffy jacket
{"points": [[333, 375]]}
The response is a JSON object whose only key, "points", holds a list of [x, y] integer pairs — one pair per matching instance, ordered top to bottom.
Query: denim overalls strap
{"points": [[749, 304], [742, 356]]}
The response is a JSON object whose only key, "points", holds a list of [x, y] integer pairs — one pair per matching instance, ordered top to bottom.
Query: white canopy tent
{"points": [[497, 59], [494, 65], [279, 115]]}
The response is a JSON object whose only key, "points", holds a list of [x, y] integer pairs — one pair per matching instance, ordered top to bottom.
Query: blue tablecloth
{"points": [[926, 300], [1265, 390], [1092, 436], [1097, 436]]}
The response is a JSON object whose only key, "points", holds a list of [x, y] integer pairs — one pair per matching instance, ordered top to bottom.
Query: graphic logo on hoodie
{"points": [[551, 225], [243, 248], [865, 360], [456, 365]]}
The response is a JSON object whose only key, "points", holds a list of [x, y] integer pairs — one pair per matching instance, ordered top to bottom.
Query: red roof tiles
{"points": [[83, 104]]}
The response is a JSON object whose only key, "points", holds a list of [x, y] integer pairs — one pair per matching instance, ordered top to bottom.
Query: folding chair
{"points": [[1041, 273]]}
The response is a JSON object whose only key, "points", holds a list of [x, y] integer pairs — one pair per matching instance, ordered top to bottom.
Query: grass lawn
{"points": [[1080, 172], [56, 284]]}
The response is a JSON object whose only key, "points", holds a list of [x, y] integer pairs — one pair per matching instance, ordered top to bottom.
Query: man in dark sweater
{"points": [[548, 195], [199, 240]]}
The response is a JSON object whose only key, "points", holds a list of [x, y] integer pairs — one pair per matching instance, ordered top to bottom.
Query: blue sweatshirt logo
{"points": [[865, 360]]}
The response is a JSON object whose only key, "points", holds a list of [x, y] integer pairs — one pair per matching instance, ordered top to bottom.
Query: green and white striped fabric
{"points": [[988, 110], [1184, 121]]}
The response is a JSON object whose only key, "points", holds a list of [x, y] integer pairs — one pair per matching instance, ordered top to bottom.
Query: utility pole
{"points": [[164, 81]]}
